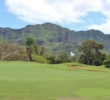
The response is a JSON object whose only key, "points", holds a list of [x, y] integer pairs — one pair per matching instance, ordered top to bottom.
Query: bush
{"points": [[13, 52], [17, 57], [63, 58], [39, 59], [51, 59], [107, 63]]}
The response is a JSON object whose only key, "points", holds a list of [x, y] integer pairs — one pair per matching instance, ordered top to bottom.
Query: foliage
{"points": [[54, 38], [30, 41], [31, 48], [36, 49], [30, 51], [42, 51], [12, 52], [91, 52], [17, 57], [51, 58], [63, 58], [39, 59], [74, 59], [99, 60], [107, 62]]}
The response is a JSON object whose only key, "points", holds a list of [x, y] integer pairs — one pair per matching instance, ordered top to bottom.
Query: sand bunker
{"points": [[84, 68], [68, 99]]}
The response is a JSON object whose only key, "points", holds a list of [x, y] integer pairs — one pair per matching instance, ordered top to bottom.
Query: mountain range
{"points": [[54, 38]]}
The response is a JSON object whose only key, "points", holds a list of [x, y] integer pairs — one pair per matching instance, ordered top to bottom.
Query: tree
{"points": [[30, 41], [30, 48], [33, 49], [37, 49], [11, 51], [42, 51], [91, 51], [51, 58], [63, 58], [107, 62]]}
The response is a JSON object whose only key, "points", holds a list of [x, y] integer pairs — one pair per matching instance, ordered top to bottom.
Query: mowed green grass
{"points": [[33, 81]]}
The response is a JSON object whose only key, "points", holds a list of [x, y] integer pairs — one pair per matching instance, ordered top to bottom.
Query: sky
{"points": [[76, 15]]}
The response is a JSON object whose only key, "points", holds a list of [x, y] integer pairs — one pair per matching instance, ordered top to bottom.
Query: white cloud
{"points": [[61, 11], [105, 27]]}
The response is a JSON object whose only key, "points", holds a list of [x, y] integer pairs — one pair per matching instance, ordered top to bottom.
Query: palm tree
{"points": [[30, 48]]}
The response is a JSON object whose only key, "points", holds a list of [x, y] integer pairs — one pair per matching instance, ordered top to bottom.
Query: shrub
{"points": [[10, 51], [18, 57], [51, 58], [39, 59], [107, 63]]}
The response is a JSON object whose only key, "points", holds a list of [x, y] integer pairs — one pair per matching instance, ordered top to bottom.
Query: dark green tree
{"points": [[30, 41], [30, 48], [37, 49], [42, 51], [91, 51], [51, 58], [63, 58], [107, 62]]}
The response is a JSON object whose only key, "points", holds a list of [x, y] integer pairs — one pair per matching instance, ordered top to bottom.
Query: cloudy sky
{"points": [[73, 14]]}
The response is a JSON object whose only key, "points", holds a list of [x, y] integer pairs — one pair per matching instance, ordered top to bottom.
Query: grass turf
{"points": [[33, 81]]}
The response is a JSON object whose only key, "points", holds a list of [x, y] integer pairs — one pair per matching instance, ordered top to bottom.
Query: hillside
{"points": [[97, 36], [55, 38]]}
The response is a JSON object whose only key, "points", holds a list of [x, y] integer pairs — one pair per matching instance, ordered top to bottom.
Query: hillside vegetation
{"points": [[55, 38]]}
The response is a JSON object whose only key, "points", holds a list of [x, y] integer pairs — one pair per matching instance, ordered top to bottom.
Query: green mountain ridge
{"points": [[54, 38]]}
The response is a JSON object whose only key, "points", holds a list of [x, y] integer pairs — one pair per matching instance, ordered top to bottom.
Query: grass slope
{"points": [[33, 81]]}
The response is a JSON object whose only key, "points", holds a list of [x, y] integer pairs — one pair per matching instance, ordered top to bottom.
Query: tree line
{"points": [[31, 52], [36, 53], [91, 53]]}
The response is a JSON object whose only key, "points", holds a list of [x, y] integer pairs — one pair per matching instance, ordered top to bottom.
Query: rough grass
{"points": [[33, 81]]}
